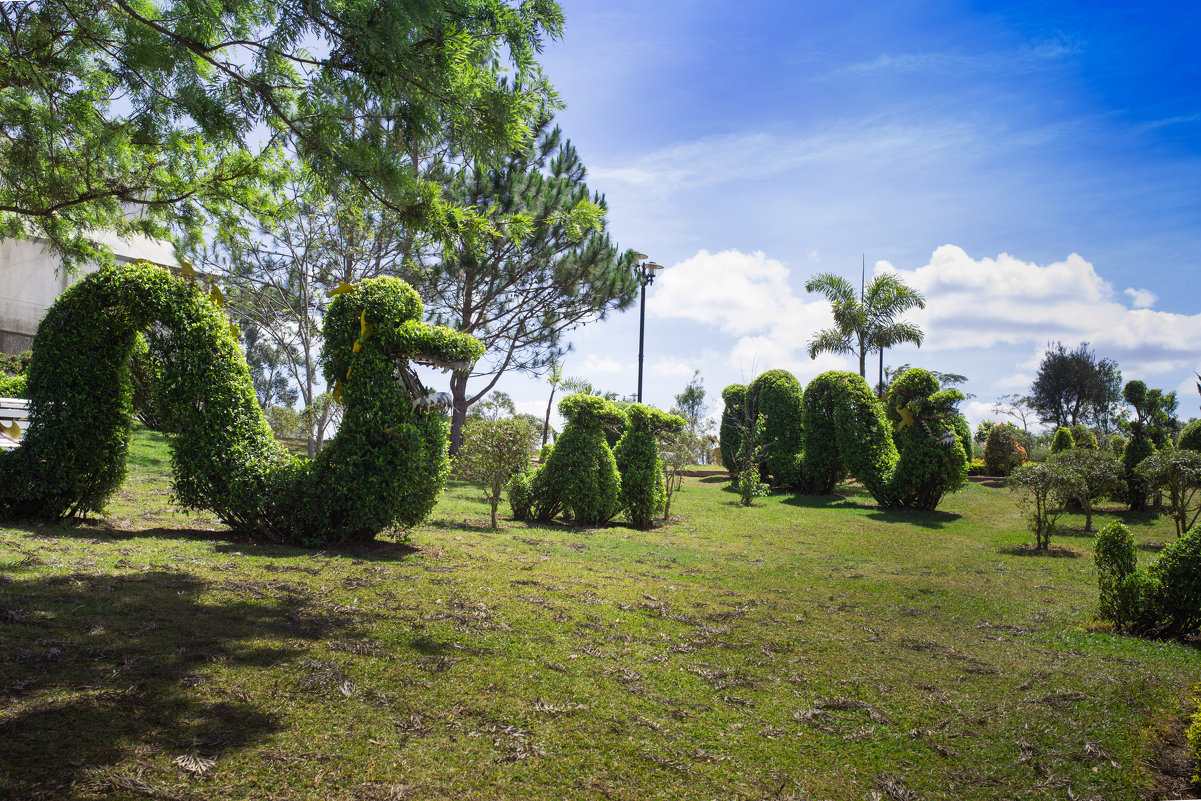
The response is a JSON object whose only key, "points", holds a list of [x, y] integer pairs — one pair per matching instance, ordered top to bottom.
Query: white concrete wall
{"points": [[30, 280]]}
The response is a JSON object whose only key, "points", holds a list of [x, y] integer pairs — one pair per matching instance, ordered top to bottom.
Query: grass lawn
{"points": [[808, 648]]}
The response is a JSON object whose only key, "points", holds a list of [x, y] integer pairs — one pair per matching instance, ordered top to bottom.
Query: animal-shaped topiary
{"points": [[777, 397], [733, 420], [906, 451], [639, 463], [385, 466], [580, 477]]}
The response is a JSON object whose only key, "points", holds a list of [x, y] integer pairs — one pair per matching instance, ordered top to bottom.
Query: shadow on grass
{"points": [[716, 480], [933, 519], [1052, 552], [97, 670]]}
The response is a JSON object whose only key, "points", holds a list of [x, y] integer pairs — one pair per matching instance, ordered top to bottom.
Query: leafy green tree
{"points": [[162, 107], [519, 297], [866, 321], [268, 369], [1074, 386], [691, 405], [494, 407], [1063, 441], [494, 450], [1178, 474], [1085, 475], [1039, 484]]}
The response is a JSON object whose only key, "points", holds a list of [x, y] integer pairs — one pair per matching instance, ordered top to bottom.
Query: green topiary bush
{"points": [[776, 396], [963, 432], [730, 433], [1083, 437], [1190, 437], [1063, 441], [1116, 444], [1137, 449], [1002, 450], [385, 467], [580, 477], [643, 489], [1123, 590], [1163, 602], [1194, 742]]}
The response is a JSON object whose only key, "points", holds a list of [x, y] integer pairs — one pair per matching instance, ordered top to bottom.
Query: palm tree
{"points": [[865, 322], [555, 377]]}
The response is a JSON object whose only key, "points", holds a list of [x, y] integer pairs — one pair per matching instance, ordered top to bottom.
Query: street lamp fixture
{"points": [[646, 277]]}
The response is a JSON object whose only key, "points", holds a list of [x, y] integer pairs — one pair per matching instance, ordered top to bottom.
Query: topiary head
{"points": [[377, 326], [591, 411], [640, 417]]}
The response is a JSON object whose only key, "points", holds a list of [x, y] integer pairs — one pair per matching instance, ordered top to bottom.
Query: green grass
{"points": [[810, 648]]}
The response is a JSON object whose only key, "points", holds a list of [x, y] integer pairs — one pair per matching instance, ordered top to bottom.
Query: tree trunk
{"points": [[880, 387], [458, 415], [546, 422]]}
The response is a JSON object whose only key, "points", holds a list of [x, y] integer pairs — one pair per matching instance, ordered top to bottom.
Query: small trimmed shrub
{"points": [[1083, 437], [1190, 437], [1063, 441], [1116, 444], [1002, 450], [544, 453], [976, 467], [1085, 475], [1178, 475], [1039, 484], [643, 492], [521, 500], [1123, 590], [1163, 602]]}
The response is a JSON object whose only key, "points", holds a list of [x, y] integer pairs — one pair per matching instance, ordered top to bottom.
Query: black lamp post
{"points": [[646, 277]]}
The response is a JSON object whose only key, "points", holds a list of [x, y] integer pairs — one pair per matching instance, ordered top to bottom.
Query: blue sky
{"points": [[1034, 169]]}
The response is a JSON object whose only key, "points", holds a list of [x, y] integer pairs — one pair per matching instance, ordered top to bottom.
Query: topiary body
{"points": [[778, 398], [730, 433], [905, 460], [385, 467], [580, 476], [643, 490]]}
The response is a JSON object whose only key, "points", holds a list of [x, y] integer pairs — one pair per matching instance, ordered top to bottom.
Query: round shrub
{"points": [[777, 397], [1083, 437], [1190, 437], [1063, 441], [1116, 444], [1002, 451], [643, 490], [1176, 578]]}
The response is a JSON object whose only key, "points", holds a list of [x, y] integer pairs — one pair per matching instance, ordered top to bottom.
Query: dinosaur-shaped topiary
{"points": [[905, 451], [385, 467]]}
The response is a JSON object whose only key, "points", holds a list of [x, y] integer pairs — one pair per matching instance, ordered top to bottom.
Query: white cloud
{"points": [[1142, 298], [982, 303], [593, 364], [672, 368], [1014, 381]]}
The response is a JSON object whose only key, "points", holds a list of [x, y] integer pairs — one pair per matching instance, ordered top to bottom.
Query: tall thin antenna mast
{"points": [[862, 274]]}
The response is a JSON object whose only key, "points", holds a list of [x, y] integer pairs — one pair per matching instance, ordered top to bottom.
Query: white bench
{"points": [[12, 411]]}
